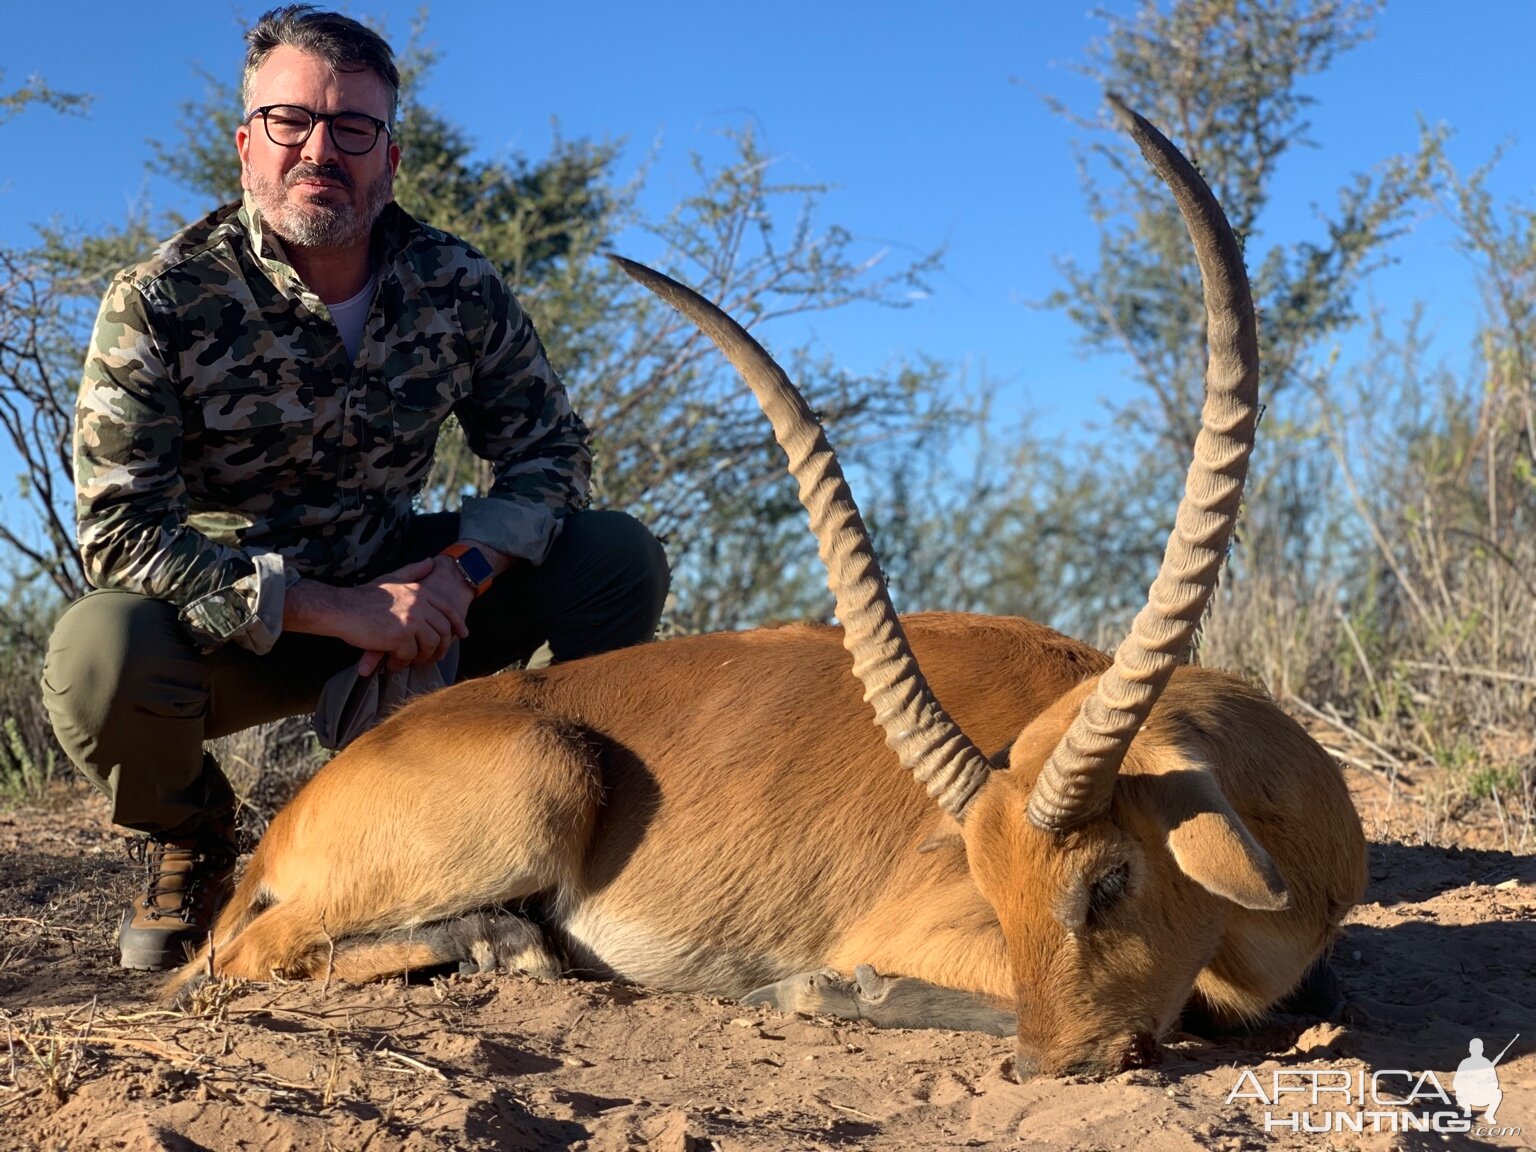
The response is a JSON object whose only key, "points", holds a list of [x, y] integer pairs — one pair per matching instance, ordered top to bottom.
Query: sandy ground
{"points": [[1443, 950]]}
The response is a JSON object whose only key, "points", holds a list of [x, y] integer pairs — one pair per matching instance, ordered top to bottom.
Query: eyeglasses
{"points": [[289, 125]]}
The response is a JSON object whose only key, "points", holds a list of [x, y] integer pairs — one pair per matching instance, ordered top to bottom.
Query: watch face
{"points": [[476, 568]]}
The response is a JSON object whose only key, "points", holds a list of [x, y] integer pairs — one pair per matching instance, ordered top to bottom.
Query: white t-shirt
{"points": [[351, 315]]}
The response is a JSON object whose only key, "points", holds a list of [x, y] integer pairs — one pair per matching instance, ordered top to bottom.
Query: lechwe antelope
{"points": [[717, 814]]}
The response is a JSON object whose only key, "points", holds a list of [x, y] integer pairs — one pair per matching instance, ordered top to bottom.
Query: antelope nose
{"points": [[1025, 1066]]}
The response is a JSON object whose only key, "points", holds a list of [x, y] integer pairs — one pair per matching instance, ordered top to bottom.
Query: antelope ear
{"points": [[1209, 841]]}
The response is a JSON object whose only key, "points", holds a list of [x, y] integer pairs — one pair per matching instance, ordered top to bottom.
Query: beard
{"points": [[316, 224]]}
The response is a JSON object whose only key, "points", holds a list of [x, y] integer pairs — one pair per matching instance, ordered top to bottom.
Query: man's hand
{"points": [[430, 600], [407, 617]]}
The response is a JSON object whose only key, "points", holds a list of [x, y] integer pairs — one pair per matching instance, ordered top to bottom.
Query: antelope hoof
{"points": [[504, 943], [872, 987], [824, 993]]}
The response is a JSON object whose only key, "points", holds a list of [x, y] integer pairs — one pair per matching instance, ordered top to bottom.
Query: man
{"points": [[258, 410]]}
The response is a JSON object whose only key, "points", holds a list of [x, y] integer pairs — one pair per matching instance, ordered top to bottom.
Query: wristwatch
{"points": [[472, 565]]}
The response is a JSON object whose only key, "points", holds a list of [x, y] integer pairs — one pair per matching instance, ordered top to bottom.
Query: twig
{"points": [[1378, 537], [1365, 663], [1480, 673], [1345, 757], [1387, 757], [1526, 779], [1499, 809], [37, 923], [330, 956], [135, 1017], [153, 1049], [79, 1053], [416, 1064], [329, 1093], [19, 1097], [845, 1108]]}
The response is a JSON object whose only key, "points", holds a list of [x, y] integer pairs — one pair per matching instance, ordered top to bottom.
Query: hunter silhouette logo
{"points": [[1477, 1081]]}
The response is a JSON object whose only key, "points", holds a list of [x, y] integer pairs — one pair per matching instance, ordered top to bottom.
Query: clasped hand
{"points": [[409, 616]]}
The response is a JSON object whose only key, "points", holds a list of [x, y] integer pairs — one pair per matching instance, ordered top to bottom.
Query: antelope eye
{"points": [[1107, 891]]}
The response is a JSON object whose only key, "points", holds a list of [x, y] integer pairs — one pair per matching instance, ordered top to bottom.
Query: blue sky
{"points": [[926, 117]]}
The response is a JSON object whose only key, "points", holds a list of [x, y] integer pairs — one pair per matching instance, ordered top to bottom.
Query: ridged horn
{"points": [[928, 743], [1078, 779]]}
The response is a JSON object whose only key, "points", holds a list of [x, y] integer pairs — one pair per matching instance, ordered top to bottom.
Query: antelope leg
{"points": [[885, 1001]]}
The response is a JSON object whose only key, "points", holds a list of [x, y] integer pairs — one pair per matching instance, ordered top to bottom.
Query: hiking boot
{"points": [[187, 880]]}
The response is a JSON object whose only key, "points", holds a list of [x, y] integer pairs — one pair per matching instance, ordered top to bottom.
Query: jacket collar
{"points": [[392, 233]]}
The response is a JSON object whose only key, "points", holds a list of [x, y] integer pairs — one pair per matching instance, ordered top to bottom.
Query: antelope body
{"points": [[717, 814]]}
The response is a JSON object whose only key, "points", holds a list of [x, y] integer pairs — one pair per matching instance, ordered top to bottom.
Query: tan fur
{"points": [[718, 812]]}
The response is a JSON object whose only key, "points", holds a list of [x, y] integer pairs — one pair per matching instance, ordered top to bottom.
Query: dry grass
{"points": [[1431, 687], [266, 765]]}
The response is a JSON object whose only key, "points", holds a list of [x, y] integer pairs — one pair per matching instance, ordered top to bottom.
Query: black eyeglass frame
{"points": [[329, 118]]}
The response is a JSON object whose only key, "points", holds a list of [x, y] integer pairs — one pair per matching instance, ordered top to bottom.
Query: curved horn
{"points": [[918, 730], [1077, 781]]}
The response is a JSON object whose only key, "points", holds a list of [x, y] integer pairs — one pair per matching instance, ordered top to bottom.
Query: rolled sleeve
{"points": [[519, 417], [248, 612]]}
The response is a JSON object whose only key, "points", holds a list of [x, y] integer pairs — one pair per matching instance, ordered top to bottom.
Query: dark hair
{"points": [[340, 41]]}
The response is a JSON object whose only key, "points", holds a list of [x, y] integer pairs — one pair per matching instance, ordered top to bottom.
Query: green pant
{"points": [[132, 699]]}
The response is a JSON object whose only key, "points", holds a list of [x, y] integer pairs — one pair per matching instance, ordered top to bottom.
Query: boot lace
{"points": [[207, 860]]}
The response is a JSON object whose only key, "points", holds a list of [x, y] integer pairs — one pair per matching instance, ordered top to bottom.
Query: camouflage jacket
{"points": [[225, 446]]}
